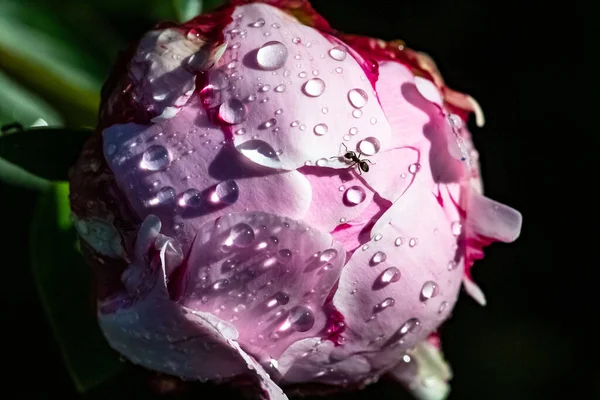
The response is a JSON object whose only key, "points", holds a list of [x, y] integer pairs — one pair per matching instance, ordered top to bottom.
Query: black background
{"points": [[521, 61]]}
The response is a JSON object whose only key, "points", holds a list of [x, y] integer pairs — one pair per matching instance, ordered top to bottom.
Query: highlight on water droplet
{"points": [[257, 24], [338, 53], [272, 55], [314, 87], [358, 98], [233, 111], [369, 146], [155, 158], [354, 195], [456, 228], [241, 235], [328, 255], [378, 258], [390, 275], [430, 289]]}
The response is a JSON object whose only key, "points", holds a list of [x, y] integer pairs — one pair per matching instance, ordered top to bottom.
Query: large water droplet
{"points": [[257, 24], [338, 53], [272, 55], [314, 87], [358, 98], [233, 111], [320, 129], [369, 146], [155, 158], [226, 192], [355, 195], [163, 196], [191, 198], [456, 228], [242, 235], [328, 255], [378, 258], [390, 275], [430, 289], [388, 302], [301, 318]]}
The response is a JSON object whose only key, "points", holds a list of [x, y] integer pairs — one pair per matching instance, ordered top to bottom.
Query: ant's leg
{"points": [[343, 144], [369, 161]]}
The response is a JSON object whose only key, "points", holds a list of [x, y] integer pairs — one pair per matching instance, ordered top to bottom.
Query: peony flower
{"points": [[266, 197]]}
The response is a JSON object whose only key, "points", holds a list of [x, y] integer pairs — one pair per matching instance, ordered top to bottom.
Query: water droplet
{"points": [[257, 24], [276, 25], [296, 40], [338, 53], [271, 55], [232, 64], [339, 70], [315, 72], [314, 87], [264, 88], [280, 88], [250, 98], [358, 98], [324, 110], [233, 111], [279, 111], [357, 113], [373, 120], [294, 123], [268, 124], [302, 127], [320, 129], [240, 131], [353, 131], [369, 146], [155, 158], [321, 162], [414, 168], [342, 188], [226, 192], [163, 196], [191, 198], [342, 220], [456, 228], [241, 235], [378, 237], [399, 241], [413, 242], [365, 247], [328, 255], [284, 256], [378, 258], [452, 265], [390, 275], [220, 284], [430, 289], [388, 302], [443, 307], [239, 308], [301, 318], [411, 325], [274, 336]]}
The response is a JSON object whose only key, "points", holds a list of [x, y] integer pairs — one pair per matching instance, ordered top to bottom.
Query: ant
{"points": [[351, 156]]}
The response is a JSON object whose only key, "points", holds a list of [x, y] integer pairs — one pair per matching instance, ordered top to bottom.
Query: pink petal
{"points": [[296, 94], [176, 169], [338, 197], [490, 219], [415, 238], [266, 274], [151, 330], [315, 360], [424, 372]]}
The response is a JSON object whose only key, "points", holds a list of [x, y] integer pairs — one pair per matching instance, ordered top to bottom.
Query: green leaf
{"points": [[187, 9], [45, 54], [17, 104], [45, 152], [63, 281]]}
